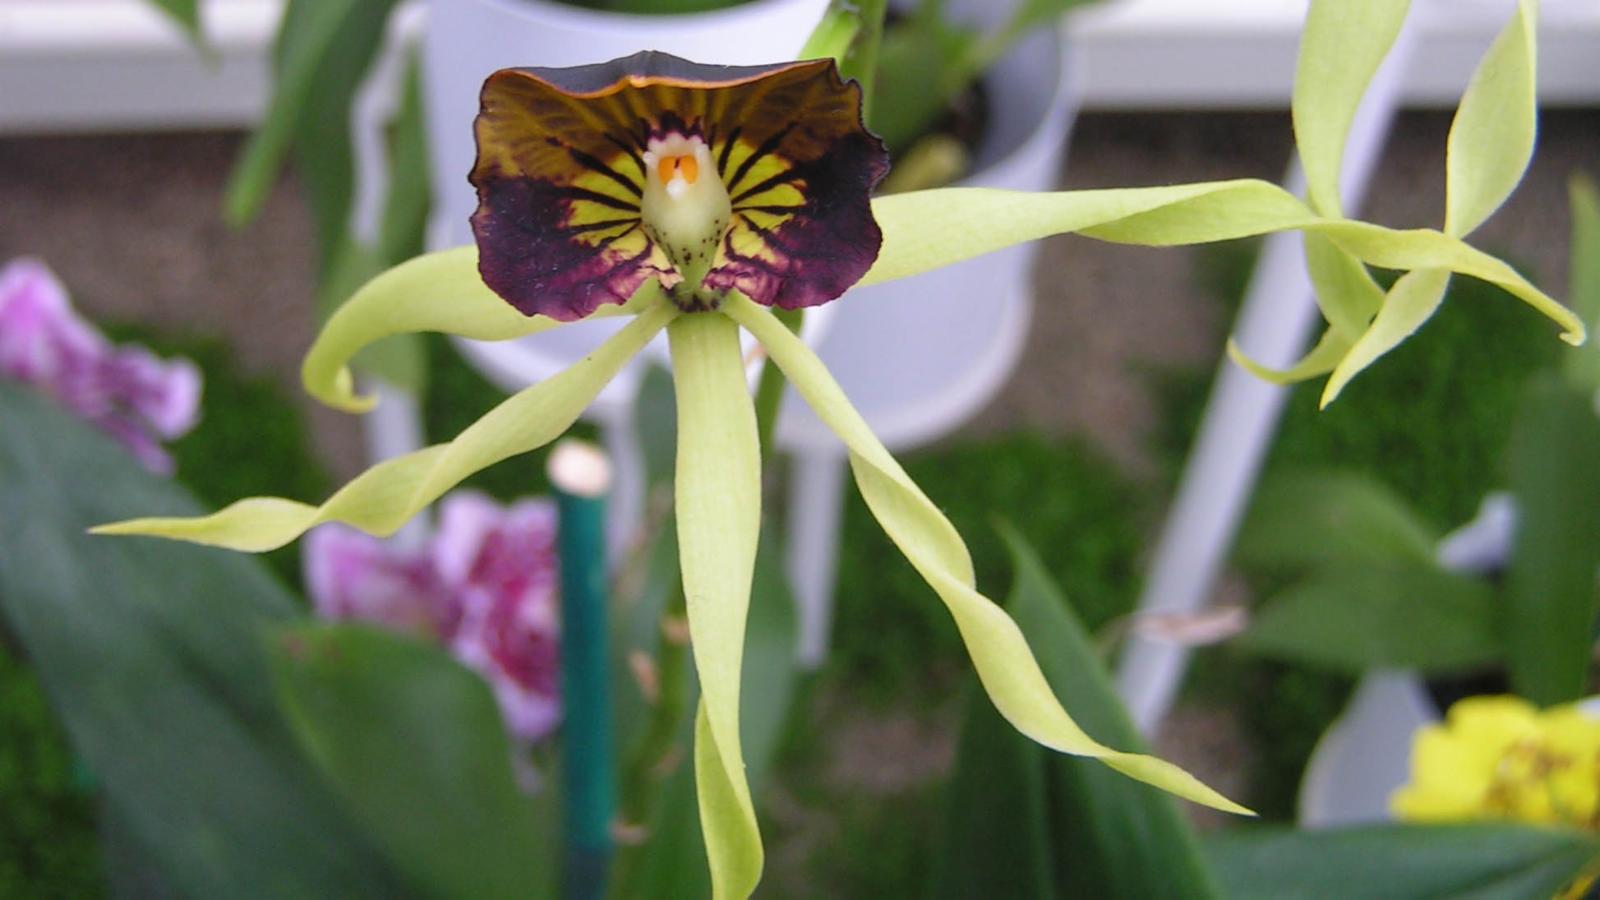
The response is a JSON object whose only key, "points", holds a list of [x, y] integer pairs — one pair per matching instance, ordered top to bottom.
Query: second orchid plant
{"points": [[693, 199]]}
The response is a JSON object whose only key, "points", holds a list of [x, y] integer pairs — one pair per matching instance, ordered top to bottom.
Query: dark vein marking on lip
{"points": [[761, 152], [594, 164], [766, 184], [578, 193]]}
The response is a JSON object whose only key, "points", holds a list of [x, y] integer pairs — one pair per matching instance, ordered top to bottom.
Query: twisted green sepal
{"points": [[1343, 44], [1491, 140], [927, 229], [434, 292], [718, 488], [384, 497], [1005, 665]]}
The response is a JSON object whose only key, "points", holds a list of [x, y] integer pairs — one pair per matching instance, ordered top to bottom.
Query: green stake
{"points": [[581, 475]]}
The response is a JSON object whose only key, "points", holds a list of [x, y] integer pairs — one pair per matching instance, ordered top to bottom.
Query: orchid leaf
{"points": [[186, 13], [318, 40], [1341, 48], [1491, 140], [928, 229], [434, 292], [1410, 303], [1583, 367], [718, 490], [383, 498], [1311, 519], [1550, 592], [1353, 618], [149, 653], [1000, 653], [397, 726], [1023, 822], [1485, 861]]}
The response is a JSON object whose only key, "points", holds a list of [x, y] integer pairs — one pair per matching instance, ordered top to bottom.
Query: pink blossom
{"points": [[126, 392], [484, 585]]}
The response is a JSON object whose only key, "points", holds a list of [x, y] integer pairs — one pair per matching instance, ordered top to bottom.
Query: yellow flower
{"points": [[1501, 758]]}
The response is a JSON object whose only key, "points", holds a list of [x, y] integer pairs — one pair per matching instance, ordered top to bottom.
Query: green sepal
{"points": [[718, 491], [387, 495], [1005, 665]]}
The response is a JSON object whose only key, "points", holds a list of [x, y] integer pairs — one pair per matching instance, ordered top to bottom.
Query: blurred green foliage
{"points": [[1432, 422], [48, 846]]}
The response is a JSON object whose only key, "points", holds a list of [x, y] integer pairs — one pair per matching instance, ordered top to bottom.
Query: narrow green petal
{"points": [[1344, 43], [1491, 140], [924, 230], [1424, 248], [433, 292], [1346, 293], [1409, 304], [1319, 361], [1584, 368], [718, 488], [384, 497], [1005, 665], [733, 843]]}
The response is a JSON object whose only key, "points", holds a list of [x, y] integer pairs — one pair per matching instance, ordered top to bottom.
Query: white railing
{"points": [[107, 65]]}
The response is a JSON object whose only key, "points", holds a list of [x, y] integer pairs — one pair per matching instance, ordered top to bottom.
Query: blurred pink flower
{"points": [[127, 392], [484, 585]]}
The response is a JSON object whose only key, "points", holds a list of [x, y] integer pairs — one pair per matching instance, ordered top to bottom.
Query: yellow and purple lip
{"points": [[594, 179]]}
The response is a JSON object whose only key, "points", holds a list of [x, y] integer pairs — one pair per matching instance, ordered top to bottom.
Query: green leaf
{"points": [[186, 13], [1344, 43], [324, 48], [323, 139], [1491, 139], [403, 227], [1410, 303], [1583, 366], [718, 493], [387, 495], [1303, 519], [1550, 588], [1355, 616], [149, 652], [1007, 668], [415, 745], [1027, 823], [995, 840], [1399, 862]]}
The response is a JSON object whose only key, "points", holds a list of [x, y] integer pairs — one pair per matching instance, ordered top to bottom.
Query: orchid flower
{"points": [[692, 198], [126, 392], [484, 585]]}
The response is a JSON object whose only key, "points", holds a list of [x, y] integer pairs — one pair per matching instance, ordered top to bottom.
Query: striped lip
{"points": [[594, 179]]}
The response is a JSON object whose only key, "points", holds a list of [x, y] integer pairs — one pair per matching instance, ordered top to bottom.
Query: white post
{"points": [[1242, 414]]}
